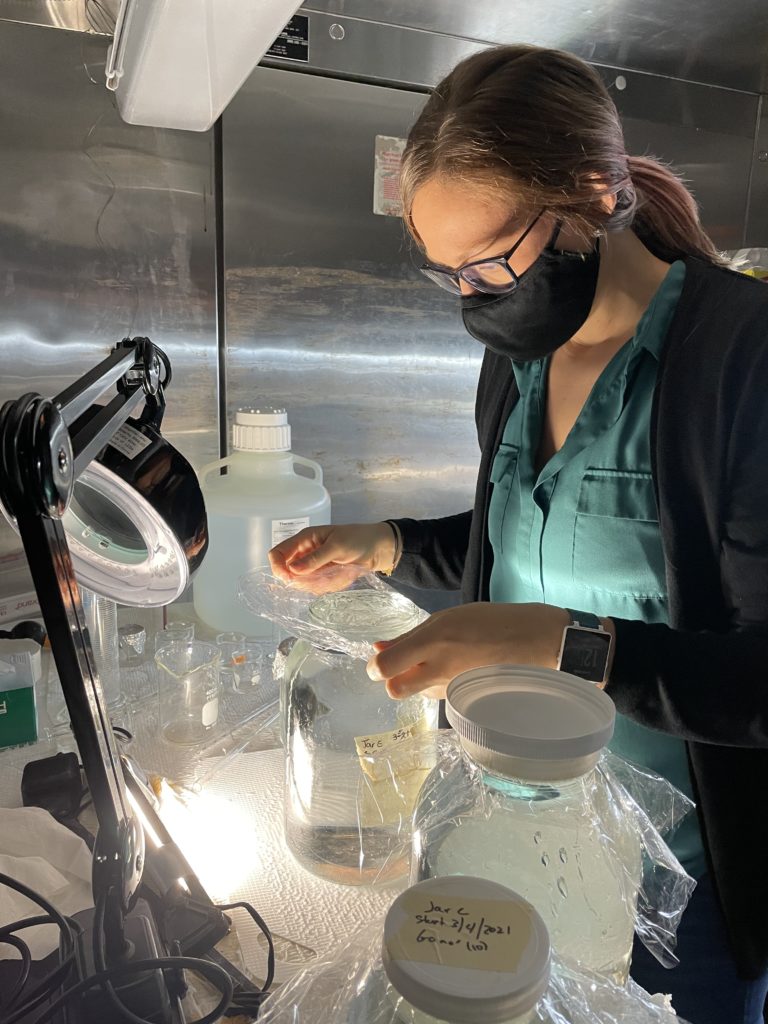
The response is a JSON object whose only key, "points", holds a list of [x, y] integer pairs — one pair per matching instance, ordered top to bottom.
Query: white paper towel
{"points": [[45, 856], [309, 917]]}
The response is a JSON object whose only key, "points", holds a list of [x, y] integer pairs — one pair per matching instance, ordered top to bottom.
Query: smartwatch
{"points": [[586, 647]]}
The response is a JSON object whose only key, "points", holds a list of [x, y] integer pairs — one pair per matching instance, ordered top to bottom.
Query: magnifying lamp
{"points": [[95, 491], [135, 519]]}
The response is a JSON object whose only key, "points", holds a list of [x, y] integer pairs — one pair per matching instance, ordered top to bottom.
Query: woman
{"points": [[622, 413]]}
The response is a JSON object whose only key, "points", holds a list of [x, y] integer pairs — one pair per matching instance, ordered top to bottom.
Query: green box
{"points": [[18, 716]]}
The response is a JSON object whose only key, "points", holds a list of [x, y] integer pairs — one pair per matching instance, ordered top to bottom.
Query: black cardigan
{"points": [[703, 677]]}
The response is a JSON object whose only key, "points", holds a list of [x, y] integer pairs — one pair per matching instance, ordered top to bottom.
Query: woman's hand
{"points": [[370, 547], [450, 642]]}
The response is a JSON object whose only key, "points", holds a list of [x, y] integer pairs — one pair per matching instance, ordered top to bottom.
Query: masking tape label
{"points": [[379, 742], [486, 935]]}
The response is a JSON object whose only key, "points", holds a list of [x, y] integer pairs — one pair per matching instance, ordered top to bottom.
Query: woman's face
{"points": [[458, 224]]}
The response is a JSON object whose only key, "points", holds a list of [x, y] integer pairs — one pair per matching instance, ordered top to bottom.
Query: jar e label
{"points": [[381, 742]]}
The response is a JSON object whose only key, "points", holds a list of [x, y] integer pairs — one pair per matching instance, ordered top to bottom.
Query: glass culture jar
{"points": [[525, 807], [343, 814], [460, 949]]}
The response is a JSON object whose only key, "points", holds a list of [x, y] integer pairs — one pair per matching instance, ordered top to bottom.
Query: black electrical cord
{"points": [[259, 921], [65, 928], [26, 967], [52, 982], [48, 986]]}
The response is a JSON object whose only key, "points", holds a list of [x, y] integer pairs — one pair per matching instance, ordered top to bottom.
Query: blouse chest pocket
{"points": [[503, 475], [616, 540]]}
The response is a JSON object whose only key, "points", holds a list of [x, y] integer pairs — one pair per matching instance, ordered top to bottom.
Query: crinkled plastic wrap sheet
{"points": [[746, 260], [288, 605], [650, 803], [656, 808], [351, 988]]}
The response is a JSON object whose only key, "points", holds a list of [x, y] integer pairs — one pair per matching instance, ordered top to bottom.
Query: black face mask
{"points": [[551, 302]]}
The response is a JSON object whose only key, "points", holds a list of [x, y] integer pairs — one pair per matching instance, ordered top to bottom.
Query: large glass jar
{"points": [[525, 806], [344, 815]]}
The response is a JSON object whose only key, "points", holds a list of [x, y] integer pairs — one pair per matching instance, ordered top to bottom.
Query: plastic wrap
{"points": [[753, 262], [289, 604], [643, 804], [656, 808], [352, 988]]}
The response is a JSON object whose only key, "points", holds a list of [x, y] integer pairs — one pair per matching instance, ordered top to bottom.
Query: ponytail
{"points": [[666, 215]]}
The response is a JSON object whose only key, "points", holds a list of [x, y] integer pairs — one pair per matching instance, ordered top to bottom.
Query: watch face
{"points": [[585, 653]]}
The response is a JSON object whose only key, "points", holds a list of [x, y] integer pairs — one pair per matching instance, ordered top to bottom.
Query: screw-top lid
{"points": [[261, 430], [366, 614], [530, 723], [466, 949]]}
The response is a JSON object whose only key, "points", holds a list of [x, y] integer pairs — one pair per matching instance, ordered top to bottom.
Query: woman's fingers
{"points": [[324, 555], [283, 556], [401, 654], [419, 679]]}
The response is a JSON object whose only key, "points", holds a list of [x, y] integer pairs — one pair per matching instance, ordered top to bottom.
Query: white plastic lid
{"points": [[261, 430], [530, 723], [435, 959]]}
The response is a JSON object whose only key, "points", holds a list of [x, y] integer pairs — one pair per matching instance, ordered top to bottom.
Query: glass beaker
{"points": [[174, 631], [232, 648], [249, 673], [189, 690]]}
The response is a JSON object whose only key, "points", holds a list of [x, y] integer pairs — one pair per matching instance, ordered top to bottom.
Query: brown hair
{"points": [[541, 124]]}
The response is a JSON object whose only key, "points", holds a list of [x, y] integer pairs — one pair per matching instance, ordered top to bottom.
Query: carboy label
{"points": [[282, 529]]}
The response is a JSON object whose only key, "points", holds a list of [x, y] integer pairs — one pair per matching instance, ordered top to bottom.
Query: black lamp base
{"points": [[148, 995]]}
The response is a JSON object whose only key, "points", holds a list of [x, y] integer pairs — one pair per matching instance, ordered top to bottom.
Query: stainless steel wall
{"points": [[693, 40], [105, 230], [325, 311]]}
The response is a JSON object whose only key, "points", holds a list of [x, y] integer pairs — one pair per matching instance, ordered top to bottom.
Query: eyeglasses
{"points": [[493, 276]]}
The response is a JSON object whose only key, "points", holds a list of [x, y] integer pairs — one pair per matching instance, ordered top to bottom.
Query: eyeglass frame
{"points": [[457, 276]]}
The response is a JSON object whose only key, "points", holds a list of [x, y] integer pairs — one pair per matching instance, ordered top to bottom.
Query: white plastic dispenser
{"points": [[261, 500]]}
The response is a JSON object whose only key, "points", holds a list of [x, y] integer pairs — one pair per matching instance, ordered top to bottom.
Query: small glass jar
{"points": [[138, 682], [343, 817], [541, 819], [460, 948]]}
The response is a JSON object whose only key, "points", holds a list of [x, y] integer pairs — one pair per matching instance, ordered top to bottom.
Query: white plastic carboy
{"points": [[260, 501]]}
